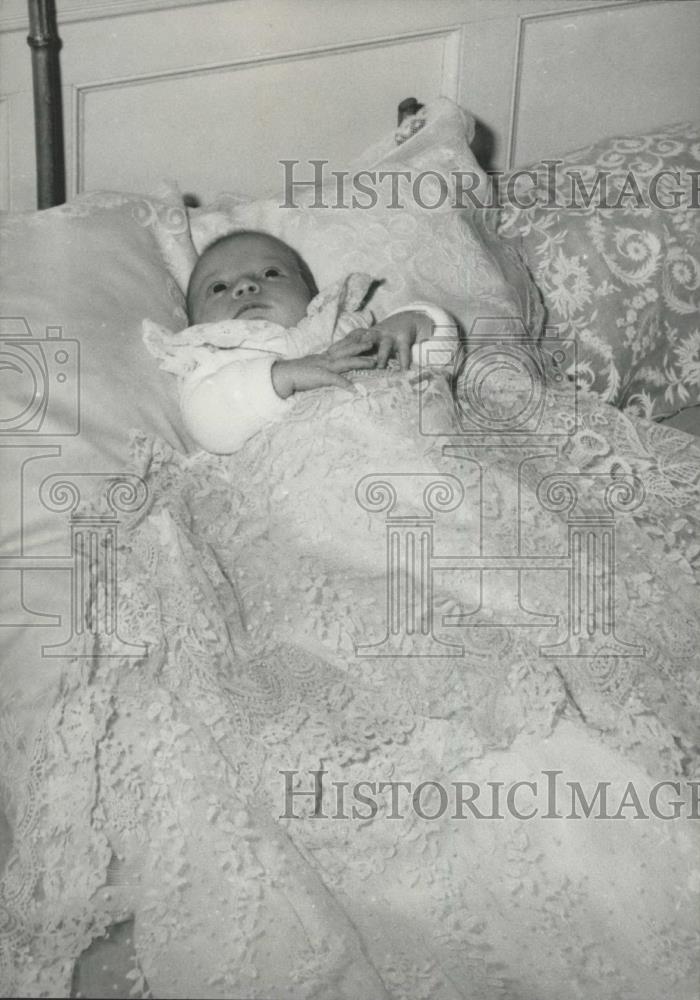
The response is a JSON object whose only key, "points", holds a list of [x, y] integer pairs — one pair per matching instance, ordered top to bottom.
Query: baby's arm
{"points": [[399, 335], [317, 370], [225, 405], [223, 408]]}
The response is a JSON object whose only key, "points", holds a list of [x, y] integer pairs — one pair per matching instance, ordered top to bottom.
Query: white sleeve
{"points": [[445, 330], [222, 409]]}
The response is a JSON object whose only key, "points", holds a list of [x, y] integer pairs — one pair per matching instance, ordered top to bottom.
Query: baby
{"points": [[262, 333]]}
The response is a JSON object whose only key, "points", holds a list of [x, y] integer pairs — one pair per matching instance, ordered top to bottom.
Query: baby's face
{"points": [[248, 277]]}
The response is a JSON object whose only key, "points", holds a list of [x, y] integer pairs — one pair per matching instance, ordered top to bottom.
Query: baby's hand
{"points": [[395, 336], [317, 370]]}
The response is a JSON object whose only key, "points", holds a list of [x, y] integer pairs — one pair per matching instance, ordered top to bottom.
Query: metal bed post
{"points": [[48, 113]]}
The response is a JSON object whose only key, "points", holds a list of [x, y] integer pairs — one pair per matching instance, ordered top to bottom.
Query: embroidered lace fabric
{"points": [[332, 314], [154, 786]]}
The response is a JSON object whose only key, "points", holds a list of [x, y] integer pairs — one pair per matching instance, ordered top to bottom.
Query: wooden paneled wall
{"points": [[214, 94]]}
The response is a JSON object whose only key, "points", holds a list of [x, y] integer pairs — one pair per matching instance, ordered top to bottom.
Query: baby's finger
{"points": [[355, 335], [355, 342], [384, 352], [347, 364], [342, 383]]}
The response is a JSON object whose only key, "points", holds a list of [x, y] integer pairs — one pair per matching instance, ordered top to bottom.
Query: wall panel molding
{"points": [[13, 14], [525, 21], [453, 63], [451, 69], [199, 89], [5, 176]]}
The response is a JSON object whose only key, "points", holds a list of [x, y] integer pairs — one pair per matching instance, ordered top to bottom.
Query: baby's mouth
{"points": [[251, 305]]}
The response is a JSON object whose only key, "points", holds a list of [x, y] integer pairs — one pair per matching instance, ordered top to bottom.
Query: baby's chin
{"points": [[258, 311], [271, 313], [284, 316]]}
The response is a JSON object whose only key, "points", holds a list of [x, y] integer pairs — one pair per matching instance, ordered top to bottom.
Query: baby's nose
{"points": [[245, 286]]}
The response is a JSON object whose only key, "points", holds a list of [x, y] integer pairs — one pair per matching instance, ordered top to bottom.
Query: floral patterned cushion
{"points": [[620, 276]]}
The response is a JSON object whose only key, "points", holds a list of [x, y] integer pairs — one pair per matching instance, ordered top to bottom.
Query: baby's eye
{"points": [[272, 272], [217, 287]]}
